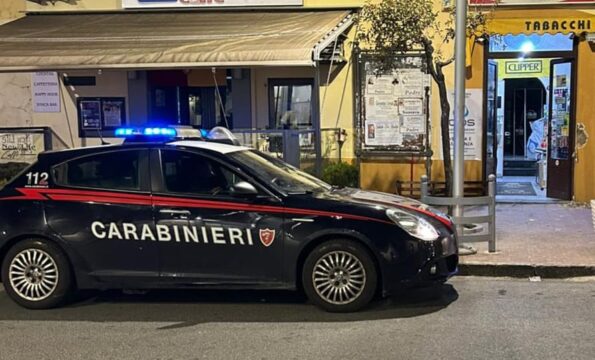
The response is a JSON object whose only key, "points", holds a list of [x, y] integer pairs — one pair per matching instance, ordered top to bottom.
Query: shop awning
{"points": [[541, 22], [167, 40]]}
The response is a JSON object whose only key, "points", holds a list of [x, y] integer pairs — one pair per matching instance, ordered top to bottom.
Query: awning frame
{"points": [[316, 54]]}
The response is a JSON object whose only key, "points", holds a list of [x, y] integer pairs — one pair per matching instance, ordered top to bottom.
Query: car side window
{"points": [[117, 170], [190, 173]]}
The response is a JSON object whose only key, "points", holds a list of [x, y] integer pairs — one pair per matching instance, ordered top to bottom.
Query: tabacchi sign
{"points": [[207, 3]]}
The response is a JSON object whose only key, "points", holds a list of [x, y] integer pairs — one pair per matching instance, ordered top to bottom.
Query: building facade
{"points": [[289, 78]]}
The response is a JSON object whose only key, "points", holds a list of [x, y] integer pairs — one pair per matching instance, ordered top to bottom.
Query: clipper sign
{"points": [[207, 3]]}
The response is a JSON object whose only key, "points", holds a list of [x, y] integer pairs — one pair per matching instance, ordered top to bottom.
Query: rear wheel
{"points": [[36, 274], [340, 276]]}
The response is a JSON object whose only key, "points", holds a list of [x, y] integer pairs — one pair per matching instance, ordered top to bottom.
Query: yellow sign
{"points": [[541, 21]]}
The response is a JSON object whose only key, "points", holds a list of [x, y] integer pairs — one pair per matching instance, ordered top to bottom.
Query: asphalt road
{"points": [[470, 318]]}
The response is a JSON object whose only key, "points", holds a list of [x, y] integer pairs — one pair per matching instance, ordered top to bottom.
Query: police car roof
{"points": [[208, 145], [65, 154]]}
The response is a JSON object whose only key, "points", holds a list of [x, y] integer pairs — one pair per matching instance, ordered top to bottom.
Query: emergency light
{"points": [[152, 131], [216, 134]]}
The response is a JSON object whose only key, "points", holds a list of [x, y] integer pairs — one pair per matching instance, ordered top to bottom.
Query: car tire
{"points": [[36, 274], [340, 276]]}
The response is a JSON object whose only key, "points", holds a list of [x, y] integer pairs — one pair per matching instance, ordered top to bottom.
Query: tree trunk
{"points": [[435, 69], [445, 129]]}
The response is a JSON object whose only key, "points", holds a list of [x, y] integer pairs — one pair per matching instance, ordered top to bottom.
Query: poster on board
{"points": [[112, 110], [394, 113], [90, 114]]}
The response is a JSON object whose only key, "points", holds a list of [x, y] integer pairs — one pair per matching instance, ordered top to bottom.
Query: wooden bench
{"points": [[412, 189]]}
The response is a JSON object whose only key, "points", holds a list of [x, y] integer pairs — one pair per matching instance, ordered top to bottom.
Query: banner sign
{"points": [[129, 4], [516, 69], [46, 92], [394, 113], [473, 124]]}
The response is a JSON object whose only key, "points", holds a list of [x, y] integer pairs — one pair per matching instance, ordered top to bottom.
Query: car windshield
{"points": [[280, 174]]}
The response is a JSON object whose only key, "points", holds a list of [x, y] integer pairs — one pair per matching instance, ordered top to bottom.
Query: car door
{"points": [[101, 204], [208, 235]]}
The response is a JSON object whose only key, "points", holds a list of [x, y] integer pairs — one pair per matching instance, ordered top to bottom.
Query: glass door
{"points": [[492, 120], [561, 130]]}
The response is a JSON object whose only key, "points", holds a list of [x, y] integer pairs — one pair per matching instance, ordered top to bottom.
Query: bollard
{"points": [[424, 187], [492, 212]]}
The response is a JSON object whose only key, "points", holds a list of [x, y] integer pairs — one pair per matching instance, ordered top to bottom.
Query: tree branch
{"points": [[429, 52], [445, 63]]}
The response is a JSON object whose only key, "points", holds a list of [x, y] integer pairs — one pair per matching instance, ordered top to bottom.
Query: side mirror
{"points": [[243, 188]]}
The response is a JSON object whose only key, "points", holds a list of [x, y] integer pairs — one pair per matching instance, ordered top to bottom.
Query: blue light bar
{"points": [[124, 132], [149, 132]]}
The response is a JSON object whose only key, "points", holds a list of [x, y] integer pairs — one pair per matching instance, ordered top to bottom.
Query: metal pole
{"points": [[316, 121], [459, 124], [424, 187], [492, 212]]}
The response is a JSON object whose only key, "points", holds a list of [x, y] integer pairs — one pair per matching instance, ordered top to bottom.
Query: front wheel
{"points": [[36, 274], [340, 276]]}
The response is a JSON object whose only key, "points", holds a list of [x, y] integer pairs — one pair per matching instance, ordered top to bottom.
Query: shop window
{"points": [[531, 43], [290, 103], [209, 106]]}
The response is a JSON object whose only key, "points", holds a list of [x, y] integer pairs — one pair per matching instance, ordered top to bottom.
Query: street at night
{"points": [[468, 318]]}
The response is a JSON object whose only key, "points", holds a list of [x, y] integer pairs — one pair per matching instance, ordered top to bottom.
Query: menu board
{"points": [[393, 108], [90, 114], [99, 115]]}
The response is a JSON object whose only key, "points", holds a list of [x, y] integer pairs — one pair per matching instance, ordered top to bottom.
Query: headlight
{"points": [[414, 225]]}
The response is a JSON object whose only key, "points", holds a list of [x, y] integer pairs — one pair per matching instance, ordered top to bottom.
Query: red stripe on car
{"points": [[147, 200]]}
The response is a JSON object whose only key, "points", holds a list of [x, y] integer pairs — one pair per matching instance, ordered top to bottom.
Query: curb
{"points": [[525, 271]]}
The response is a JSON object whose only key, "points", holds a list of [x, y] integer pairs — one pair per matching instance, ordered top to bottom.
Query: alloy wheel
{"points": [[33, 274], [339, 277]]}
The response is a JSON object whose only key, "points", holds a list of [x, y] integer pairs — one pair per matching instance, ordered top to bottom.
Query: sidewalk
{"points": [[547, 240]]}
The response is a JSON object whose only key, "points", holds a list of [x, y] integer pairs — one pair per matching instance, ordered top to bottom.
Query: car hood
{"points": [[385, 201]]}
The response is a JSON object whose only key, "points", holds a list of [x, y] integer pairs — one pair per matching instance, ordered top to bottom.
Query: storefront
{"points": [[538, 67]]}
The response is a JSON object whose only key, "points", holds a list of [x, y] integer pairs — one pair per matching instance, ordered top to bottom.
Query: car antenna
{"points": [[103, 142]]}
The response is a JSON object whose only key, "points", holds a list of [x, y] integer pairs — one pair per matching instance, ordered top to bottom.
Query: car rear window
{"points": [[117, 170]]}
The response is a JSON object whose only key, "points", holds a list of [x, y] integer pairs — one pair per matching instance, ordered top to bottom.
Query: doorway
{"points": [[525, 101], [529, 114]]}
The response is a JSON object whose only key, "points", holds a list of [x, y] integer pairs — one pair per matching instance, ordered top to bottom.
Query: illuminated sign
{"points": [[207, 3], [524, 67]]}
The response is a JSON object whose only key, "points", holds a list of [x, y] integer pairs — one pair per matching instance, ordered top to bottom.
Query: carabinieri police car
{"points": [[171, 209]]}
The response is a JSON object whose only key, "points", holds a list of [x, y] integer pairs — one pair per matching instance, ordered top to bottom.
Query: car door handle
{"points": [[176, 213]]}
